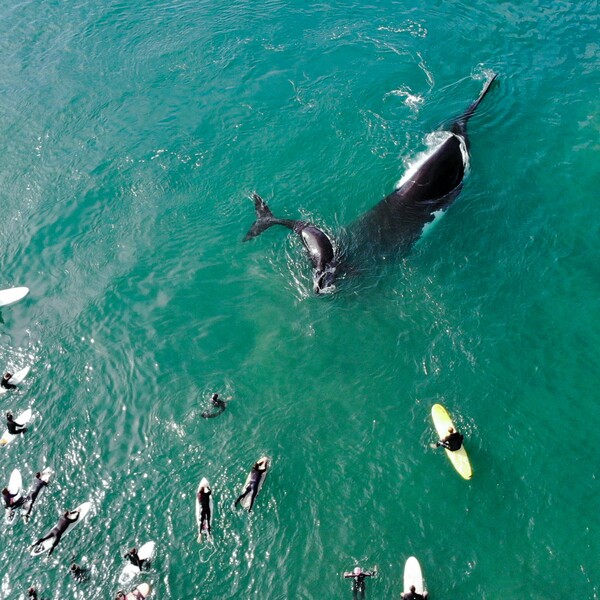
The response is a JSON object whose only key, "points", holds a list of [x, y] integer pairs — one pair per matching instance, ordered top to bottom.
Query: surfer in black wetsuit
{"points": [[5, 382], [218, 403], [13, 426], [453, 441], [257, 473], [36, 488], [9, 499], [204, 499], [69, 517], [134, 558], [79, 573], [358, 580], [412, 595]]}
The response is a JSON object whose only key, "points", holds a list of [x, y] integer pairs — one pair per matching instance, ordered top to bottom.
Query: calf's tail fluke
{"points": [[461, 123], [264, 218]]}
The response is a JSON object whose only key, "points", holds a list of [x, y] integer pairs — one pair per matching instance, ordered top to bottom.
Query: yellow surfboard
{"points": [[458, 458]]}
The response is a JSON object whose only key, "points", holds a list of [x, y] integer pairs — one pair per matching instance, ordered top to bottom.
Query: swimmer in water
{"points": [[218, 403], [258, 472], [69, 517], [358, 580]]}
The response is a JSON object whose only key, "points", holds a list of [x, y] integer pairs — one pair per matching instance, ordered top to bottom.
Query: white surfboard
{"points": [[10, 295], [16, 378], [22, 419], [15, 486], [248, 499], [83, 509], [203, 530], [145, 552], [413, 576], [143, 591]]}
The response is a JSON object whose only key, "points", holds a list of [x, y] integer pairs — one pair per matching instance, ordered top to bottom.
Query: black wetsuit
{"points": [[5, 383], [218, 403], [13, 426], [452, 442], [255, 477], [36, 488], [204, 499], [9, 501], [57, 531], [135, 560], [358, 585], [414, 596]]}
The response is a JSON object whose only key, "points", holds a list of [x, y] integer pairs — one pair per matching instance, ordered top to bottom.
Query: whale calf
{"points": [[315, 240]]}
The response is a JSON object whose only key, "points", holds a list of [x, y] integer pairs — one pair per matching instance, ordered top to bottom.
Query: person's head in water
{"points": [[7, 376], [215, 396], [9, 416], [450, 429], [38, 474], [133, 552], [357, 571], [412, 589], [120, 595]]}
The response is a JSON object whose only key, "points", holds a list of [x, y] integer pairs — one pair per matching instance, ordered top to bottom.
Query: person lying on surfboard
{"points": [[4, 383], [217, 402], [13, 426], [453, 441], [258, 470], [36, 488], [204, 500], [69, 516], [358, 580], [412, 595]]}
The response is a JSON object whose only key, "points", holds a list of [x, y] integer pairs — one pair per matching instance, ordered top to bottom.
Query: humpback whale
{"points": [[394, 224]]}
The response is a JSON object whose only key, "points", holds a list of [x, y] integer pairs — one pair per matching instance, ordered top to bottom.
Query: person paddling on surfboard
{"points": [[5, 382], [218, 403], [13, 426], [453, 441], [256, 474], [36, 488], [204, 499], [69, 516], [358, 580], [412, 595]]}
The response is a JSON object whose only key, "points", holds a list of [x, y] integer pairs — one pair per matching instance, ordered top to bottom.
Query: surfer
{"points": [[5, 382], [218, 403], [13, 426], [453, 441], [256, 474], [36, 488], [9, 499], [204, 499], [69, 517], [134, 558], [79, 574], [358, 580], [412, 595]]}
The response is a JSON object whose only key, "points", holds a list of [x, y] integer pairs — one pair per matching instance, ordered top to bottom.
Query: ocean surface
{"points": [[133, 133]]}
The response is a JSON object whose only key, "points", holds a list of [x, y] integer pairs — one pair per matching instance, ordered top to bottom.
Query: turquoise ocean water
{"points": [[133, 133]]}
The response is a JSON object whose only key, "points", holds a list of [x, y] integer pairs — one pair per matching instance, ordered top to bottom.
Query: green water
{"points": [[133, 133]]}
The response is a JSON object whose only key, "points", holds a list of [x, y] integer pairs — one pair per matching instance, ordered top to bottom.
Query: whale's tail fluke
{"points": [[460, 125], [264, 219]]}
